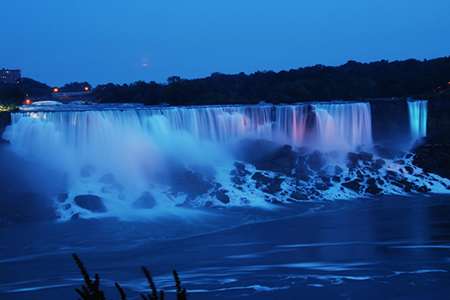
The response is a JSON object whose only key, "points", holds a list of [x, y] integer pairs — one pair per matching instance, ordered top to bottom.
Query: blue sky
{"points": [[122, 41]]}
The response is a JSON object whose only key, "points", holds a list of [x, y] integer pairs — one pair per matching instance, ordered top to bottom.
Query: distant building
{"points": [[10, 76]]}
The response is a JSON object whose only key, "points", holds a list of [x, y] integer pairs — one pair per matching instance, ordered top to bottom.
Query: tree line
{"points": [[428, 79]]}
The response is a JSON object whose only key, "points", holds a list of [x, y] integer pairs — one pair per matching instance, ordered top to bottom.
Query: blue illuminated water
{"points": [[338, 245], [388, 247]]}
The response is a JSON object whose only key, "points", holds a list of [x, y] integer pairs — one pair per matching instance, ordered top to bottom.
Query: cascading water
{"points": [[418, 119], [121, 154]]}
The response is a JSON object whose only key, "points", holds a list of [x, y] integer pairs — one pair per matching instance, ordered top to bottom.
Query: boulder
{"points": [[365, 156], [316, 161], [338, 170], [354, 185], [373, 190], [222, 196], [298, 196], [145, 201], [90, 202]]}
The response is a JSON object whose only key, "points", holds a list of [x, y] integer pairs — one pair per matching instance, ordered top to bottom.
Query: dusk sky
{"points": [[122, 41]]}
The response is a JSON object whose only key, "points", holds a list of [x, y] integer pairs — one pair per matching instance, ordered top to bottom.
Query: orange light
{"points": [[86, 88], [55, 90], [27, 101]]}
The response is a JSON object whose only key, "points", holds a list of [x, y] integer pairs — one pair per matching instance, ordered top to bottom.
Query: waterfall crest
{"points": [[145, 156]]}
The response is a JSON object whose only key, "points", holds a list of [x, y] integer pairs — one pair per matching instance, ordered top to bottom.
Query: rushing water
{"points": [[418, 119], [335, 245]]}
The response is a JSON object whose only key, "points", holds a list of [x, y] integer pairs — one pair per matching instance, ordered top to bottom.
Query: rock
{"points": [[384, 152], [365, 156], [352, 157], [433, 159], [316, 160], [399, 162], [379, 163], [240, 169], [409, 169], [338, 170], [85, 171], [259, 177], [108, 179], [237, 180], [371, 181], [189, 182], [354, 185], [274, 186], [321, 186], [423, 189], [373, 190], [222, 196], [298, 196], [62, 197], [145, 201], [90, 202]]}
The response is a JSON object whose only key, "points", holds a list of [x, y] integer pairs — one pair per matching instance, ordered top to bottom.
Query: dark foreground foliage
{"points": [[91, 288]]}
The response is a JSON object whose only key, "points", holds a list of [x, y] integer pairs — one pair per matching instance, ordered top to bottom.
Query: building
{"points": [[10, 76]]}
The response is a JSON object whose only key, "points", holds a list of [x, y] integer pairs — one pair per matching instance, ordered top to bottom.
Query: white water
{"points": [[418, 111], [121, 153]]}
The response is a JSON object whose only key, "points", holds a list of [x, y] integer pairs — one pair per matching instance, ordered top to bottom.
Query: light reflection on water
{"points": [[390, 247]]}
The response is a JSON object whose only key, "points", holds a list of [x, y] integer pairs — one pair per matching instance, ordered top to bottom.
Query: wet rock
{"points": [[384, 152], [365, 156], [352, 157], [433, 159], [316, 160], [399, 162], [379, 163], [240, 169], [409, 169], [338, 170], [85, 171], [259, 177], [108, 179], [238, 181], [371, 181], [189, 182], [354, 185], [274, 186], [321, 186], [423, 189], [373, 190], [222, 196], [298, 196], [62, 197], [145, 201], [90, 202]]}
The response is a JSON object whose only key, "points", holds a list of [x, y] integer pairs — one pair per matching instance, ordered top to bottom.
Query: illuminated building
{"points": [[10, 76]]}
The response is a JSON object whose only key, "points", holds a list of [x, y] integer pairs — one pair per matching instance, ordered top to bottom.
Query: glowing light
{"points": [[144, 62], [86, 88], [55, 90], [27, 101]]}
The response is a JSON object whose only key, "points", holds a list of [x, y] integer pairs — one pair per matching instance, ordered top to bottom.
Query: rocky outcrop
{"points": [[433, 159], [145, 201], [92, 203]]}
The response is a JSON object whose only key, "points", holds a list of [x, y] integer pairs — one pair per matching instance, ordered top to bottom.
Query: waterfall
{"points": [[418, 119], [121, 153]]}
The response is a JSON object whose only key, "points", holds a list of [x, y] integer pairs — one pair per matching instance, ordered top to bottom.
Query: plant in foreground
{"points": [[91, 288]]}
